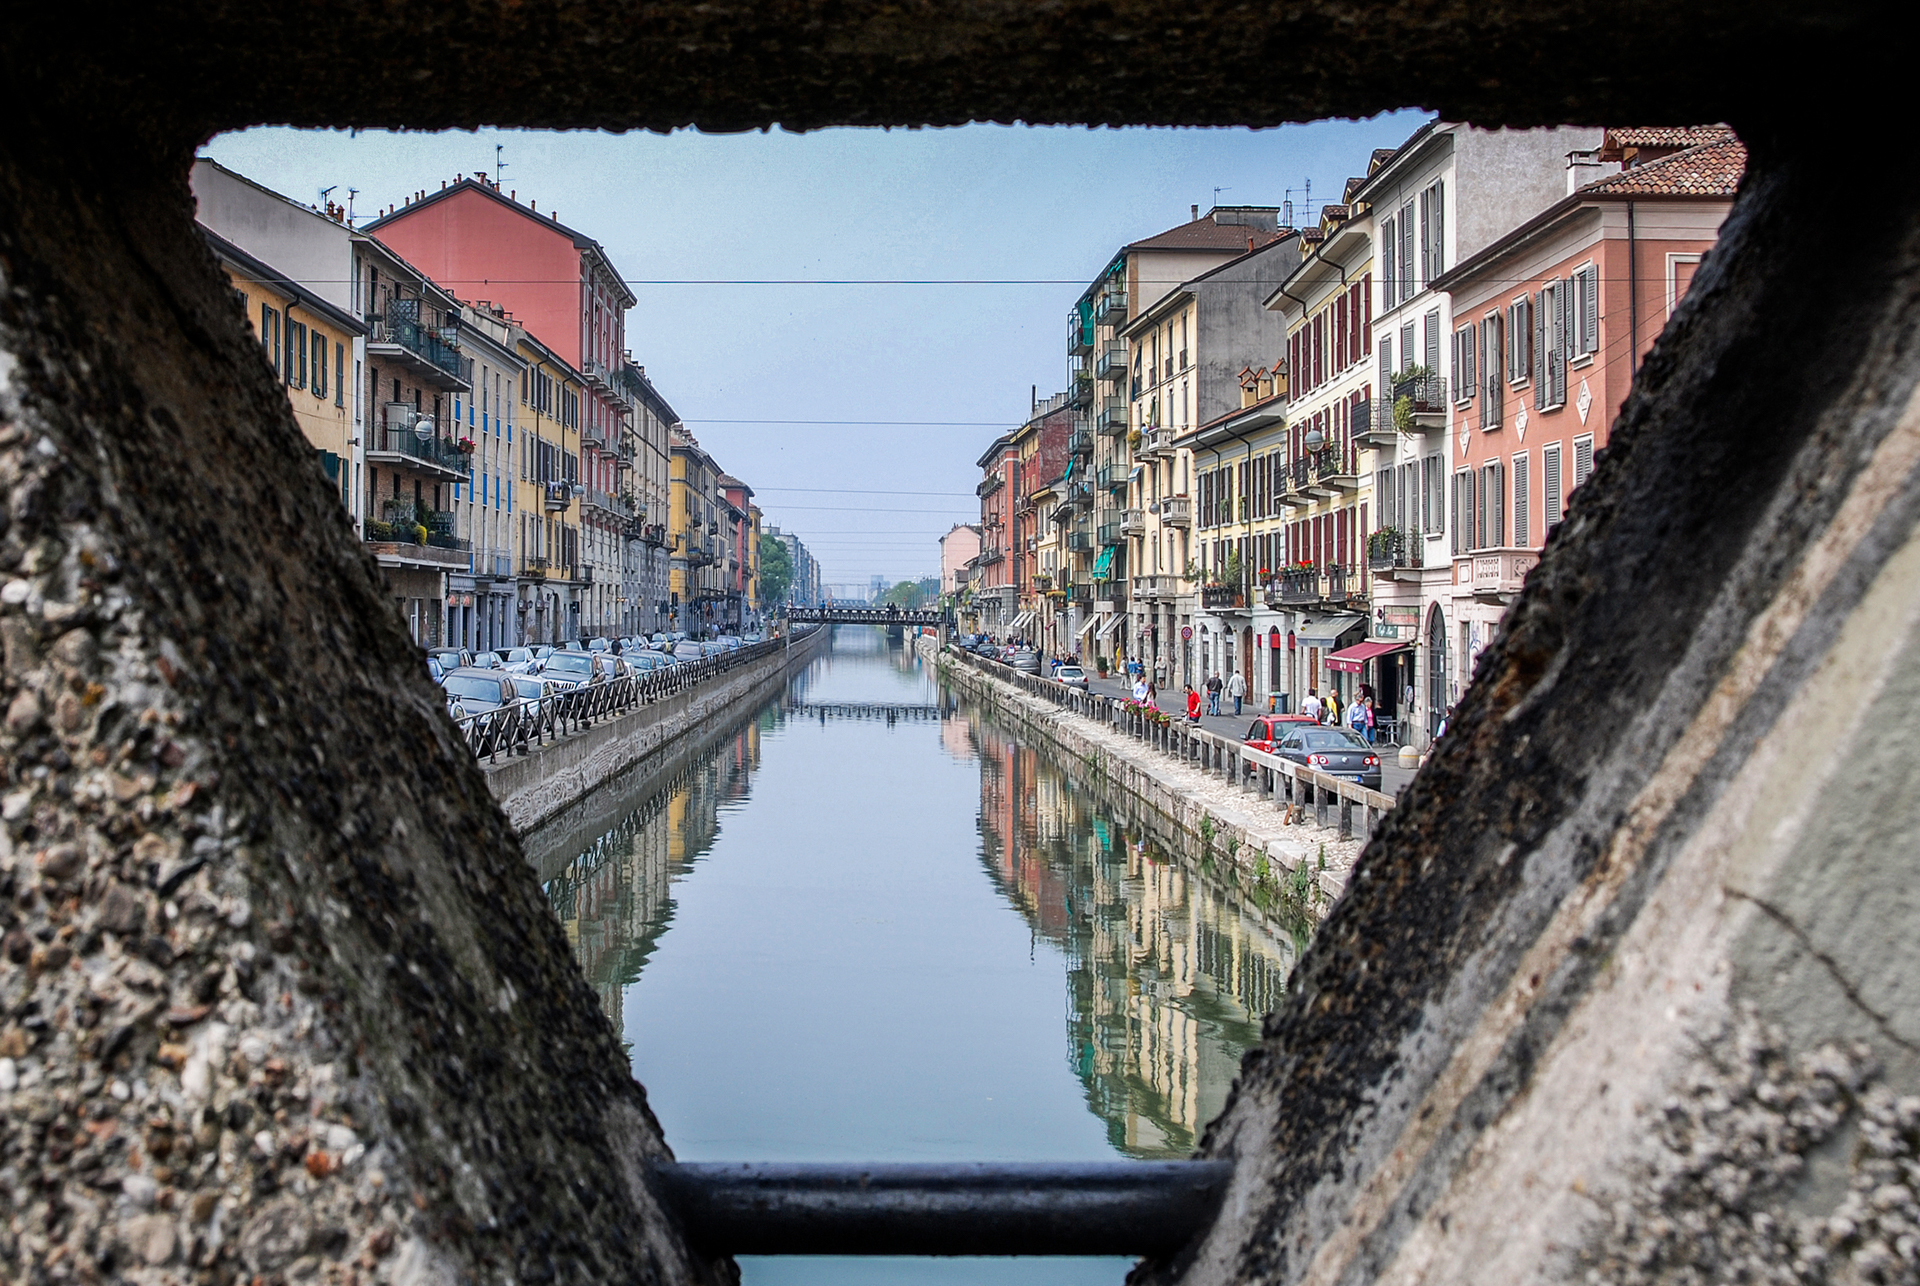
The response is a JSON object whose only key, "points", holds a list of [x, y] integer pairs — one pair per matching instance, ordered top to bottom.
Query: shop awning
{"points": [[1103, 565], [1020, 620], [1108, 624], [1327, 631], [1350, 658]]}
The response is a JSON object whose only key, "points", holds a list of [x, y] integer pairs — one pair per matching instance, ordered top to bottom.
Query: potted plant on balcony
{"points": [[1410, 395], [464, 446]]}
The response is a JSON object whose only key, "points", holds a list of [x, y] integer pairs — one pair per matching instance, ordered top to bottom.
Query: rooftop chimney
{"points": [[1196, 212]]}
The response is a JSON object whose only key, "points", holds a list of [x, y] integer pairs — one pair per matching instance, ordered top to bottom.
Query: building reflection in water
{"points": [[1169, 972]]}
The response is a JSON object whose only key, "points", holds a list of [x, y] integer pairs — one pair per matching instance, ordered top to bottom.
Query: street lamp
{"points": [[423, 428]]}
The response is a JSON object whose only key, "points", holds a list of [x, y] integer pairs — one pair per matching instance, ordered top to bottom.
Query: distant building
{"points": [[958, 547]]}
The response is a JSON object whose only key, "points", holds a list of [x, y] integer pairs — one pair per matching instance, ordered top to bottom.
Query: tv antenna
{"points": [[498, 164], [1217, 192], [351, 193]]}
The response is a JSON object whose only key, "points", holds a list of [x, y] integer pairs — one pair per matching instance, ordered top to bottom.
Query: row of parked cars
{"points": [[1020, 656], [504, 682]]}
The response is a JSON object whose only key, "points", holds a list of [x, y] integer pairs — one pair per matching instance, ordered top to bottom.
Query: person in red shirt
{"points": [[1193, 705]]}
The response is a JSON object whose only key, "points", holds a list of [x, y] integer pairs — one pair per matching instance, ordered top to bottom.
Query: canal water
{"points": [[873, 926]]}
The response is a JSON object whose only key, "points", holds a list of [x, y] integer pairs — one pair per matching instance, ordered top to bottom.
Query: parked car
{"points": [[599, 645], [541, 653], [451, 658], [484, 660], [519, 660], [643, 661], [1027, 661], [610, 666], [570, 668], [434, 669], [1071, 676], [489, 698], [1268, 729], [1333, 751]]}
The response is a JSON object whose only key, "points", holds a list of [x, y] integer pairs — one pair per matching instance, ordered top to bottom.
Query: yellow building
{"points": [[309, 343], [547, 450], [697, 590]]}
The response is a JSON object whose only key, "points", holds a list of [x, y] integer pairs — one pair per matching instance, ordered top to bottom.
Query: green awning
{"points": [[1103, 565]]}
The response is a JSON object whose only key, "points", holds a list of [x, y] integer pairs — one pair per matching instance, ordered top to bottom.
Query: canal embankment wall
{"points": [[549, 784], [1203, 812]]}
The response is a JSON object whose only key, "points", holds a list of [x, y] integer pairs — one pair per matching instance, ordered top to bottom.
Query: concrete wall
{"points": [[535, 788]]}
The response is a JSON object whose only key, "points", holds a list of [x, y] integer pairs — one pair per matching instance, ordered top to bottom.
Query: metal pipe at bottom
{"points": [[1107, 1208]]}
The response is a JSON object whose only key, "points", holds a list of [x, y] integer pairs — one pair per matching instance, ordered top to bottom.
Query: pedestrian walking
{"points": [[1159, 670], [1214, 687], [1237, 689], [1140, 691], [1193, 705], [1311, 706], [1330, 706], [1357, 717], [1373, 720]]}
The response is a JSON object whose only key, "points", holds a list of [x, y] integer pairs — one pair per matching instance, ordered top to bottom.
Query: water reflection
{"points": [[860, 927], [1168, 972]]}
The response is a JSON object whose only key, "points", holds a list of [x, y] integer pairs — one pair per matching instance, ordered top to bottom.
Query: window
{"points": [[1433, 232], [1680, 271], [1389, 279], [1407, 287], [1585, 313], [1432, 328], [270, 334], [1464, 340], [1519, 340], [1551, 345], [1406, 346], [319, 364], [296, 371], [339, 375], [1490, 380], [1582, 460], [1550, 485], [1493, 499], [1432, 502], [1463, 511], [1522, 533]]}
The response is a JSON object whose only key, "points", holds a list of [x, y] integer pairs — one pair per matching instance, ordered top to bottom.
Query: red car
{"points": [[1267, 729]]}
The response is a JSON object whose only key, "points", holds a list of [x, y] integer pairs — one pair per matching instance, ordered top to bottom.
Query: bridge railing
{"points": [[530, 723], [1333, 800]]}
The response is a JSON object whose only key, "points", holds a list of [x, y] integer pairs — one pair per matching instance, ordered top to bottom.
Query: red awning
{"points": [[1349, 658]]}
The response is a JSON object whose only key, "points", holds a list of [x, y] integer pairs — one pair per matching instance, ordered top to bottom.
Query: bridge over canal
{"points": [[866, 616]]}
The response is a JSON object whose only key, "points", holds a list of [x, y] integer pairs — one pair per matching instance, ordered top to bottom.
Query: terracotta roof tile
{"points": [[1666, 135], [1712, 169], [1205, 234]]}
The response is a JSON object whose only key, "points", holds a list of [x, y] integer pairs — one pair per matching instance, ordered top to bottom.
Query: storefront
{"points": [[1314, 642]]}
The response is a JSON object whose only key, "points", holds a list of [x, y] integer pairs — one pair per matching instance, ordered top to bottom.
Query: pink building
{"points": [[486, 247], [1551, 323], [957, 548]]}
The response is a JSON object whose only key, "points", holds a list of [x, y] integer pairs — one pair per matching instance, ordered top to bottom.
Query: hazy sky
{"points": [[1036, 212]]}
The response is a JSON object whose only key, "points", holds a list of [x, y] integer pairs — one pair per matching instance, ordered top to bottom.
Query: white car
{"points": [[1071, 676]]}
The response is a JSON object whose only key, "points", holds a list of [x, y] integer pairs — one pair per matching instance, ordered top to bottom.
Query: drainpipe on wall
{"points": [[1633, 300]]}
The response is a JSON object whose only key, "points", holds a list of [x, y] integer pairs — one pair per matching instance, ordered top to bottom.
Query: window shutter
{"points": [[1439, 227], [1426, 236], [1388, 279], [1407, 287], [1538, 306], [1432, 321], [1590, 329], [1406, 346], [1563, 347], [1386, 368], [1582, 460], [1550, 485], [1457, 502], [1497, 522], [1522, 535]]}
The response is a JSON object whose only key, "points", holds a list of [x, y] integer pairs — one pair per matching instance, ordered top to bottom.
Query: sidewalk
{"points": [[1393, 778]]}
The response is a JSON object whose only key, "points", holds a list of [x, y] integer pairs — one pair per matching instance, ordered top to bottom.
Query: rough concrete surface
{"points": [[1620, 991]]}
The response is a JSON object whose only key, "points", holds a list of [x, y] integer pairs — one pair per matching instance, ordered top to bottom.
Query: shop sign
{"points": [[1396, 624]]}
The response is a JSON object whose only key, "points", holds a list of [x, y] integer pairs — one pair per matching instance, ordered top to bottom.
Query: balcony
{"points": [[1111, 310], [1079, 335], [400, 340], [1112, 364], [599, 378], [1080, 395], [1419, 405], [1112, 420], [1371, 424], [593, 437], [1080, 441], [1155, 441], [395, 444], [1335, 470], [1111, 477], [990, 484], [558, 495], [1177, 511], [1133, 523], [654, 533], [1108, 533], [411, 537], [1080, 542], [1392, 551], [534, 568], [1497, 574], [1346, 586], [1294, 587], [1155, 589], [1217, 598], [1112, 600]]}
